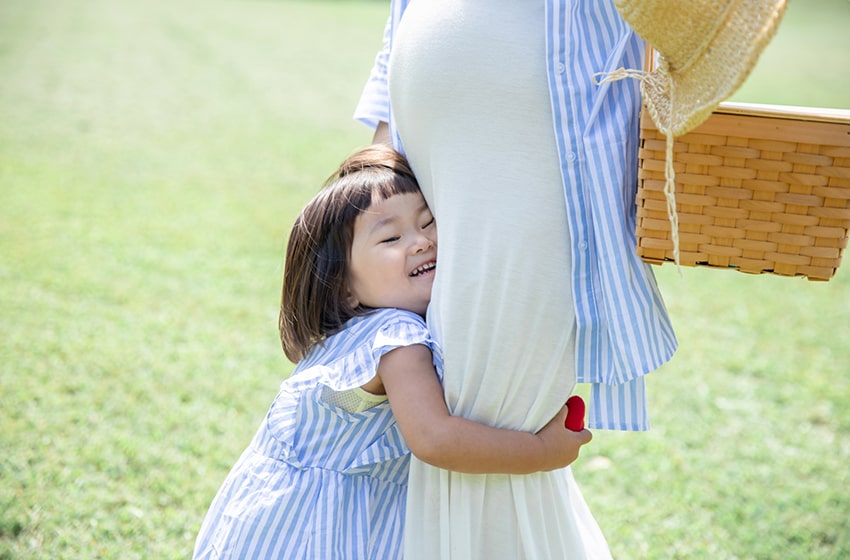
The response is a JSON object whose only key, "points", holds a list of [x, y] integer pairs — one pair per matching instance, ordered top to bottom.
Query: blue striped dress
{"points": [[317, 481]]}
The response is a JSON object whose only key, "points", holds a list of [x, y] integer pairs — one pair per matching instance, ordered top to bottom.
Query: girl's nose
{"points": [[423, 243]]}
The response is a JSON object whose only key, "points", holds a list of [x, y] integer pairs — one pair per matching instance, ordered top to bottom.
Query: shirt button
{"points": [[561, 68], [571, 156], [582, 245]]}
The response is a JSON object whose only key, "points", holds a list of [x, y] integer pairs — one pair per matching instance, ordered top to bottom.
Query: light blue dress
{"points": [[317, 481]]}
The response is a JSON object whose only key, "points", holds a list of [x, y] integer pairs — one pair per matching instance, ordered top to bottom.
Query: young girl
{"points": [[326, 473]]}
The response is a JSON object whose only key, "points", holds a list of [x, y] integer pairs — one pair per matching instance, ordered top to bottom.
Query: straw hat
{"points": [[707, 49]]}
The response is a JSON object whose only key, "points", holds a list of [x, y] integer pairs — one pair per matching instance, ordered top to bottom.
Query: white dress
{"points": [[470, 99]]}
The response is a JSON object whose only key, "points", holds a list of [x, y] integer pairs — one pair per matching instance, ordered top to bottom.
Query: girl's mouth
{"points": [[424, 268]]}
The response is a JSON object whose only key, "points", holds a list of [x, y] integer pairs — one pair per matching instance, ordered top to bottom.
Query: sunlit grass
{"points": [[152, 158]]}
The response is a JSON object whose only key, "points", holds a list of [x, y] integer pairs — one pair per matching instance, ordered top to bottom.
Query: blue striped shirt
{"points": [[623, 330], [317, 481]]}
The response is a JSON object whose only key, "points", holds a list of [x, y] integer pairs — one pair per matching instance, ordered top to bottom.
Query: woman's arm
{"points": [[374, 103], [382, 134], [456, 443]]}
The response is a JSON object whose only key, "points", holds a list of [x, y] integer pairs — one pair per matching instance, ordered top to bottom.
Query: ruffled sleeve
{"points": [[351, 357]]}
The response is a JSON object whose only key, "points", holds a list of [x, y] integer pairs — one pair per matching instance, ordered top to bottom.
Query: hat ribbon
{"points": [[669, 171]]}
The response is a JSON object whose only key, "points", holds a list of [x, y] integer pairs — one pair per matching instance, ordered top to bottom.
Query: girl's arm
{"points": [[456, 443]]}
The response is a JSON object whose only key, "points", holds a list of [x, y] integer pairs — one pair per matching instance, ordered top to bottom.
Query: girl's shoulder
{"points": [[386, 316], [391, 320], [377, 323], [374, 327], [350, 357]]}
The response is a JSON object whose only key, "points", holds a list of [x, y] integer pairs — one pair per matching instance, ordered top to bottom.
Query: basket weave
{"points": [[759, 189]]}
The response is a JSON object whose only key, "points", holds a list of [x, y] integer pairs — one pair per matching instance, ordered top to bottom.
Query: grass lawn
{"points": [[152, 158]]}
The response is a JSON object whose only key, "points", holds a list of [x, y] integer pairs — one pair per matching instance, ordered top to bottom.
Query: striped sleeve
{"points": [[374, 104], [351, 357], [619, 407]]}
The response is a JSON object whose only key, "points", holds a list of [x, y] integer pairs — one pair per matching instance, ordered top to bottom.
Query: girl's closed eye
{"points": [[429, 223], [390, 239]]}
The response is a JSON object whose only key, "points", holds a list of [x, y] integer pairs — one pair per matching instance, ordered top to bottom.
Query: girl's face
{"points": [[394, 254]]}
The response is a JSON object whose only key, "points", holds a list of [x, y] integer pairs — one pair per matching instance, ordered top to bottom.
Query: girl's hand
{"points": [[562, 445]]}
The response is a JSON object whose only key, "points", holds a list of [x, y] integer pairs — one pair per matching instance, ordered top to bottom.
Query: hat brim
{"points": [[681, 100]]}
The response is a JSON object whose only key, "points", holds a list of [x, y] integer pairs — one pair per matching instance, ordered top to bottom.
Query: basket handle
{"points": [[649, 59]]}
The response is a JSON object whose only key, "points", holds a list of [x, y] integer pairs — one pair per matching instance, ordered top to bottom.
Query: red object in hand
{"points": [[575, 414]]}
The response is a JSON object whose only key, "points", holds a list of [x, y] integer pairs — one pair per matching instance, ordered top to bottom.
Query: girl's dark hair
{"points": [[314, 301]]}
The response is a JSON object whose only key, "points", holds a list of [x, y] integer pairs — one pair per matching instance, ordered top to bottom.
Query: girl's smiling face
{"points": [[394, 254]]}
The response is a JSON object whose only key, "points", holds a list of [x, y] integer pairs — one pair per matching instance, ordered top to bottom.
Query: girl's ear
{"points": [[349, 297]]}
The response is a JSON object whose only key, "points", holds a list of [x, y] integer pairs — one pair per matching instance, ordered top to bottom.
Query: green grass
{"points": [[807, 62], [152, 158]]}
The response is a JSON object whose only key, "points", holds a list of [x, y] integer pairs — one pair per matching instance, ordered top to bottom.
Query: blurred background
{"points": [[153, 156]]}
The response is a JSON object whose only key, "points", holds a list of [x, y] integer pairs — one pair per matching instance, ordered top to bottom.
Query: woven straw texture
{"points": [[707, 48], [754, 193]]}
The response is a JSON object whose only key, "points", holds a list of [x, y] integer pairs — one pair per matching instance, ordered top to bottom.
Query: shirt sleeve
{"points": [[406, 329], [379, 333], [619, 407]]}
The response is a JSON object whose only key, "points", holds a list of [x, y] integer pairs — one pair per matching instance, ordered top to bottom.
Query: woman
{"points": [[529, 168]]}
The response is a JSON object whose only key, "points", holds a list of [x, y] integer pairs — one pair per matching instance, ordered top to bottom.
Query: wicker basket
{"points": [[759, 189]]}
